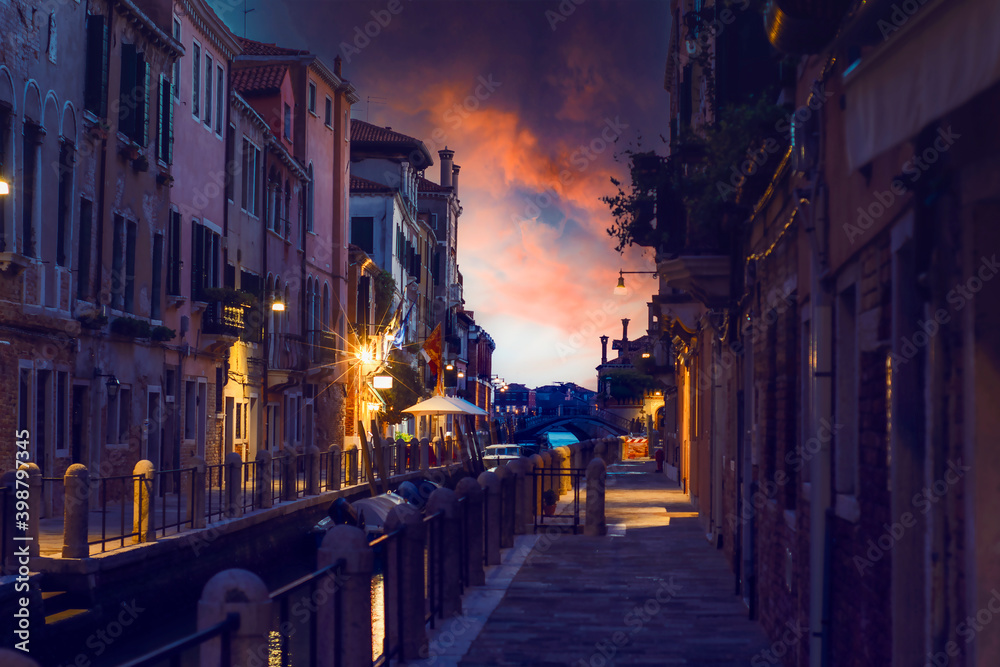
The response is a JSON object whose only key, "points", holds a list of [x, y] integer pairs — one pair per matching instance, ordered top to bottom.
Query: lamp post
{"points": [[620, 289]]}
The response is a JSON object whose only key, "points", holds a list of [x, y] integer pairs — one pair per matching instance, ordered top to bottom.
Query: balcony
{"points": [[223, 319], [323, 347], [287, 353]]}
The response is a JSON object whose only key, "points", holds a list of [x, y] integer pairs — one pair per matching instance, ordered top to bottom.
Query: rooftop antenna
{"points": [[245, 12], [377, 100]]}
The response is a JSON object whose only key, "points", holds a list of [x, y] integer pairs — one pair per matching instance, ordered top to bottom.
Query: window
{"points": [[177, 63], [195, 79], [96, 85], [208, 91], [220, 97], [312, 97], [133, 99], [328, 116], [288, 122], [165, 123], [230, 161], [251, 163], [29, 191], [287, 211], [63, 214], [363, 233], [83, 249], [174, 254], [206, 254], [118, 263], [157, 286], [129, 297], [846, 396], [190, 407], [62, 411], [119, 417]]}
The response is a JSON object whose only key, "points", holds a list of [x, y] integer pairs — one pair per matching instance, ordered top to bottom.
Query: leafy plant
{"points": [[384, 287], [93, 320], [131, 327], [162, 333], [549, 498]]}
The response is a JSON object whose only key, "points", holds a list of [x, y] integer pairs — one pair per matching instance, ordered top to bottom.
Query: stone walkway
{"points": [[651, 593]]}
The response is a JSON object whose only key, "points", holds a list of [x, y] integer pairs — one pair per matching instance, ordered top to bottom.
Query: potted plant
{"points": [[93, 320], [130, 327], [162, 333], [549, 500]]}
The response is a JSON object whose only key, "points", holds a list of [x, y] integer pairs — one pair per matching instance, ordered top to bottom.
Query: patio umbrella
{"points": [[437, 405], [467, 407]]}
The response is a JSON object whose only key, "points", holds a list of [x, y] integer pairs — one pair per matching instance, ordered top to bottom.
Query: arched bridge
{"points": [[583, 426]]}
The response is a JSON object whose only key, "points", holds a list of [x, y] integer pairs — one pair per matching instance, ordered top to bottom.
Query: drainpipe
{"points": [[820, 377]]}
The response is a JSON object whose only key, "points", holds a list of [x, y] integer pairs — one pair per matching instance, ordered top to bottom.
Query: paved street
{"points": [[653, 592]]}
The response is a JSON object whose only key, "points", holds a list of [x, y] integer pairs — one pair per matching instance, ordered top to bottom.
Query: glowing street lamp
{"points": [[4, 187], [620, 289]]}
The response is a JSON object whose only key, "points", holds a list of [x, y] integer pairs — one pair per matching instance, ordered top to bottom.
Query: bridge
{"points": [[584, 425]]}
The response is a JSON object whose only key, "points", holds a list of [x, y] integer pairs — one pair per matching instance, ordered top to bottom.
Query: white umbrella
{"points": [[445, 405]]}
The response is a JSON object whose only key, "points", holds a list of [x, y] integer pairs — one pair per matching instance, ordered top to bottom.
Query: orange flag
{"points": [[432, 348]]}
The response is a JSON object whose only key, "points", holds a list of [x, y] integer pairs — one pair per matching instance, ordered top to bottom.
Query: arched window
{"points": [[326, 306]]}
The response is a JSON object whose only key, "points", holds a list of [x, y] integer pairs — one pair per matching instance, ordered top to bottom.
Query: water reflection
{"points": [[378, 614]]}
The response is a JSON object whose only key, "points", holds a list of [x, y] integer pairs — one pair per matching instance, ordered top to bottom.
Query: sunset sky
{"points": [[527, 93]]}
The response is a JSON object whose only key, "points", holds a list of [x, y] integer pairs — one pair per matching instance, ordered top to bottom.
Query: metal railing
{"points": [[549, 478], [253, 480], [125, 485], [215, 499], [181, 517], [433, 567], [302, 594], [173, 654]]}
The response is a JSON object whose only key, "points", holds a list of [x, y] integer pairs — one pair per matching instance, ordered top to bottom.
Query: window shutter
{"points": [[142, 69], [95, 86], [126, 91], [170, 124], [161, 152], [197, 261]]}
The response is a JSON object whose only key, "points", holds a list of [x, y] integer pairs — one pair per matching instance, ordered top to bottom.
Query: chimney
{"points": [[337, 64], [447, 157], [454, 178], [625, 330], [604, 349]]}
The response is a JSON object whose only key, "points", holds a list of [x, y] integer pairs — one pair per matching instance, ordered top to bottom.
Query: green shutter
{"points": [[143, 71], [170, 124], [161, 153]]}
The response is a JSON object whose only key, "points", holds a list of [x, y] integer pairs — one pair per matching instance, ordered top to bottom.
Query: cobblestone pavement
{"points": [[653, 592]]}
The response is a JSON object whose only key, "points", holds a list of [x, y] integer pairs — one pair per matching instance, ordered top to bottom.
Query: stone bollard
{"points": [[600, 452], [352, 453], [425, 453], [400, 456], [562, 456], [333, 469], [312, 471], [289, 474], [550, 480], [264, 481], [76, 482], [234, 484], [537, 486], [469, 489], [199, 494], [443, 500], [143, 504], [508, 505], [35, 506], [492, 511], [595, 522], [404, 583], [236, 592], [345, 634], [10, 658]]}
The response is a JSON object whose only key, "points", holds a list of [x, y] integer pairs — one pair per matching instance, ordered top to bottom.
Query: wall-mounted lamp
{"points": [[4, 187], [620, 289], [112, 384]]}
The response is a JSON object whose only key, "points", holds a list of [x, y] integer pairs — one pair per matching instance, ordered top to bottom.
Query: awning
{"points": [[936, 61]]}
